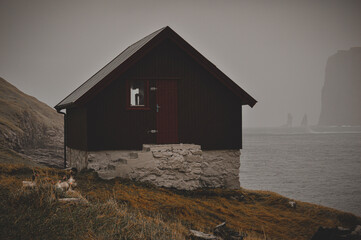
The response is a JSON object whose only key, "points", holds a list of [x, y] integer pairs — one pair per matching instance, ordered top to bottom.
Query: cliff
{"points": [[341, 93], [29, 127]]}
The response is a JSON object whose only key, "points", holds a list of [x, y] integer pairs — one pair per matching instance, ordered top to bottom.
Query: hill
{"points": [[29, 129], [125, 209]]}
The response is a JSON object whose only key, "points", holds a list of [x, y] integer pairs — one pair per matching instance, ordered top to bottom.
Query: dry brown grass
{"points": [[258, 212], [36, 214], [262, 214]]}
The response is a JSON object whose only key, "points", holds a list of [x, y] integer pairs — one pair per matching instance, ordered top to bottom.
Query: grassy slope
{"points": [[13, 103], [25, 122], [28, 126], [137, 211]]}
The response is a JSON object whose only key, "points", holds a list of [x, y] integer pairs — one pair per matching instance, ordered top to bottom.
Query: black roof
{"points": [[140, 48]]}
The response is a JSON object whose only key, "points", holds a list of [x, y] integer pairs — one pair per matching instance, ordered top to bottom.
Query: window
{"points": [[137, 94]]}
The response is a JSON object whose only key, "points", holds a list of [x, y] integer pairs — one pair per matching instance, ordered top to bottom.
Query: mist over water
{"points": [[275, 50], [322, 168]]}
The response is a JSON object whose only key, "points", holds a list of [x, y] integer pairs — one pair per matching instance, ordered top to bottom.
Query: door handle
{"points": [[157, 107]]}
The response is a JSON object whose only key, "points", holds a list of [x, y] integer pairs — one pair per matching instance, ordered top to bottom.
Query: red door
{"points": [[167, 112]]}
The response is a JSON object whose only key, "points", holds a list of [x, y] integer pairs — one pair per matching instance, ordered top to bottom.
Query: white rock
{"points": [[29, 184], [64, 186], [292, 204], [357, 231], [203, 235]]}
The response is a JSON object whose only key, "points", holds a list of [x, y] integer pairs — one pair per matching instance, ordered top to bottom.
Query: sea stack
{"points": [[341, 93]]}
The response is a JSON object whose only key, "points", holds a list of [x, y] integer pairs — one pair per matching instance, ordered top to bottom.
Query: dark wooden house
{"points": [[159, 90]]}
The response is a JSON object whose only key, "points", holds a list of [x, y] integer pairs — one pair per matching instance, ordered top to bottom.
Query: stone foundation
{"points": [[76, 158], [181, 166]]}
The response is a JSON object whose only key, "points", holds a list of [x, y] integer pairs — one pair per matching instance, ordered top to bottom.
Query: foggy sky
{"points": [[275, 50]]}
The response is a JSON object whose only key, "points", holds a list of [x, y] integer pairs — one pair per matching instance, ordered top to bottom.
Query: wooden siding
{"points": [[209, 114], [112, 126], [76, 128]]}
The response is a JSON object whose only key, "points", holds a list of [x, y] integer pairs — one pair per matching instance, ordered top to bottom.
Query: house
{"points": [[158, 95]]}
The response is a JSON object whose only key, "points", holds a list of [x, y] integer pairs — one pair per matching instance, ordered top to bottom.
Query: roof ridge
{"points": [[161, 29], [130, 55]]}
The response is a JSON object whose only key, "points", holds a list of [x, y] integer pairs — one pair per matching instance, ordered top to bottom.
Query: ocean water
{"points": [[318, 167]]}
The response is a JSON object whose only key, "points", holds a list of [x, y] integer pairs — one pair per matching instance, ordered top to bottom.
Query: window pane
{"points": [[137, 88]]}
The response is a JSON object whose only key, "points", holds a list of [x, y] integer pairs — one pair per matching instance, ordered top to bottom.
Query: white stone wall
{"points": [[76, 158], [182, 166]]}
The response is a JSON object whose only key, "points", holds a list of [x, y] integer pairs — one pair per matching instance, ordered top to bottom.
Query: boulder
{"points": [[337, 233]]}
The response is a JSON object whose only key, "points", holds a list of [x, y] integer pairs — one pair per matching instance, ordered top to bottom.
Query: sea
{"points": [[320, 165]]}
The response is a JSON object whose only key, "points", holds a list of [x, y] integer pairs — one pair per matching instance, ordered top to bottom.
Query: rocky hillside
{"points": [[341, 93], [29, 127]]}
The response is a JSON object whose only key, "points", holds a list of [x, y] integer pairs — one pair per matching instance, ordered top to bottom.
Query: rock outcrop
{"points": [[341, 93], [29, 126], [337, 233]]}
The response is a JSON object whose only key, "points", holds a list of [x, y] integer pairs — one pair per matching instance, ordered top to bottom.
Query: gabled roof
{"points": [[135, 52]]}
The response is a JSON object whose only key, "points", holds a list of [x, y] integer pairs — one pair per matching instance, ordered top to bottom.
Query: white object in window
{"points": [[137, 89]]}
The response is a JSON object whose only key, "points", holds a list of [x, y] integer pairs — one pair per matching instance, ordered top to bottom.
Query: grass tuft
{"points": [[124, 209]]}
